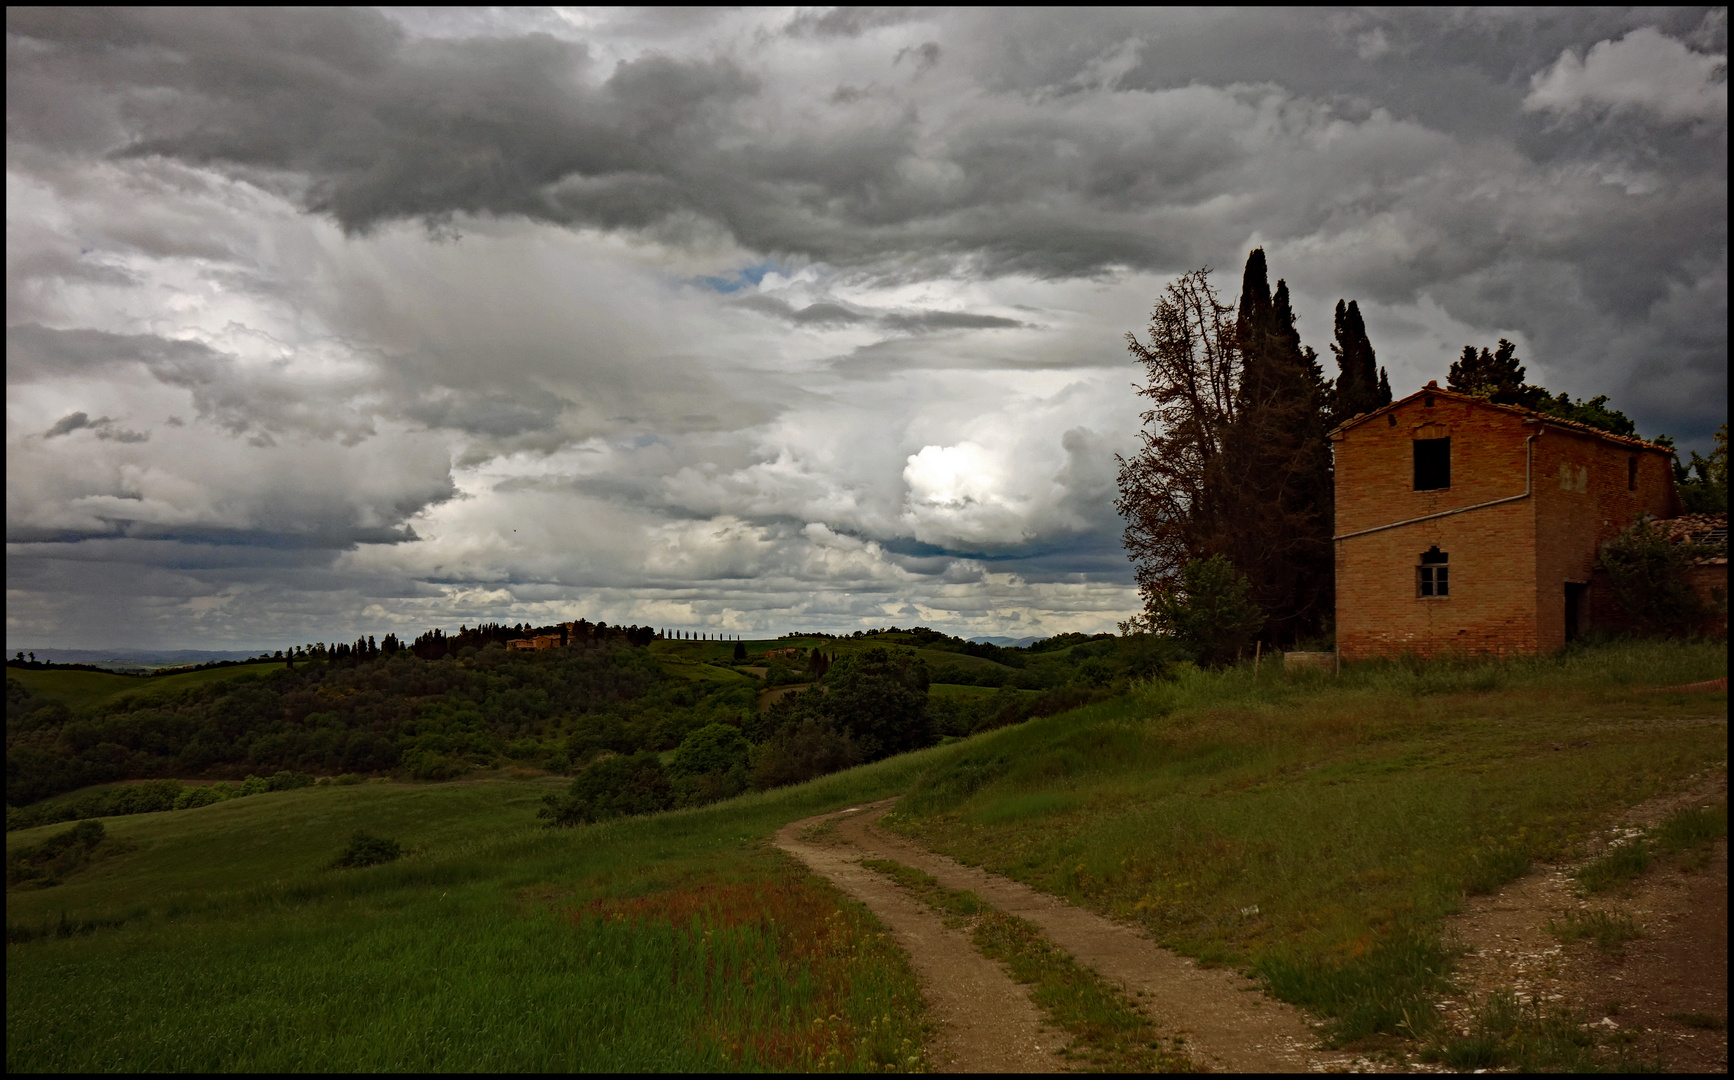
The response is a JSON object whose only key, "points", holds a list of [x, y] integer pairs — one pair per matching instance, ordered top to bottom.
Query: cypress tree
{"points": [[1361, 384], [1273, 481]]}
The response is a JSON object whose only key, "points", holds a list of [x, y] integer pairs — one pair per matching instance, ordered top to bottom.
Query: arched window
{"points": [[1433, 576]]}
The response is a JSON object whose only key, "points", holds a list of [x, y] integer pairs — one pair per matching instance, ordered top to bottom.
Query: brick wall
{"points": [[1583, 499], [1491, 551], [1509, 563]]}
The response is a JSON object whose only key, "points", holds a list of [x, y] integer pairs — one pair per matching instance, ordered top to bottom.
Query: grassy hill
{"points": [[79, 690], [1311, 830]]}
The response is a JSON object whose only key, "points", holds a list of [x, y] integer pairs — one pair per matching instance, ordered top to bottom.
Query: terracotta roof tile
{"points": [[1516, 410]]}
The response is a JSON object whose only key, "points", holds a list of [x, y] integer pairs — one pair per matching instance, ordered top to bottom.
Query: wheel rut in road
{"points": [[986, 1022], [1229, 1025]]}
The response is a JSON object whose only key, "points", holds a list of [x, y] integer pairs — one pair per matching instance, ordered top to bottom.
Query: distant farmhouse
{"points": [[1465, 526]]}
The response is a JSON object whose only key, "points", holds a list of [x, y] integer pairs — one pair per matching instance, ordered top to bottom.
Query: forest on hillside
{"points": [[388, 709]]}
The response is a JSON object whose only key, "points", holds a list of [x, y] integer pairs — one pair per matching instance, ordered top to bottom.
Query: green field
{"points": [[82, 689], [1310, 830], [495, 944]]}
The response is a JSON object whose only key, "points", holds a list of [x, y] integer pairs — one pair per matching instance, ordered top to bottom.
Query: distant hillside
{"points": [[136, 659]]}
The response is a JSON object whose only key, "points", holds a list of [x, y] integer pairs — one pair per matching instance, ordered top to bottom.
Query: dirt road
{"points": [[986, 1021], [1228, 1024]]}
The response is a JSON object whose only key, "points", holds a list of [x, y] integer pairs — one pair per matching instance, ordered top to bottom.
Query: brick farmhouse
{"points": [[1465, 526]]}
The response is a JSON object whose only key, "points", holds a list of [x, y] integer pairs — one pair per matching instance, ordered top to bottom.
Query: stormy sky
{"points": [[340, 322]]}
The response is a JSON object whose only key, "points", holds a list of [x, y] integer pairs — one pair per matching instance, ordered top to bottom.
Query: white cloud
{"points": [[1646, 69]]}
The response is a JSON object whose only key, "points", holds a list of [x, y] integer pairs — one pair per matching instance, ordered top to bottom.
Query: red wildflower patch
{"points": [[772, 962]]}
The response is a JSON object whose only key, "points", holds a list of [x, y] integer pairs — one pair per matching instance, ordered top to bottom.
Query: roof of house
{"points": [[1529, 415], [1702, 529]]}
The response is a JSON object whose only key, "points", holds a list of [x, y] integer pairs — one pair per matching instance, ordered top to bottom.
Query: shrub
{"points": [[1647, 574], [1211, 612], [423, 764], [710, 764], [349, 778], [289, 781], [255, 785], [617, 786], [194, 797], [367, 850]]}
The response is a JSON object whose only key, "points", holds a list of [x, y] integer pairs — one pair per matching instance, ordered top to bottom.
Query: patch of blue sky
{"points": [[737, 280]]}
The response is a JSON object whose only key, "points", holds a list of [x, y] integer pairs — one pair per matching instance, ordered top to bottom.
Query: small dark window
{"points": [[1427, 401], [1390, 419], [1432, 464], [1631, 474], [1433, 576]]}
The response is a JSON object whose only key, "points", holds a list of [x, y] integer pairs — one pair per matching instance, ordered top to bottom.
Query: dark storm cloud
{"points": [[846, 21], [1559, 176]]}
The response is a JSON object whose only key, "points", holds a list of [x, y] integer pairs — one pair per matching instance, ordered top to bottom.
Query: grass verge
{"points": [[1108, 1032]]}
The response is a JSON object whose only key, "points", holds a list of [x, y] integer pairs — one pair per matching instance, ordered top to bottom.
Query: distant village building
{"points": [[1465, 526], [535, 644]]}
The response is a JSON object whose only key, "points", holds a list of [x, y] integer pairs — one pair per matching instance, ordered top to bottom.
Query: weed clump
{"points": [[1691, 826], [367, 850], [1620, 865], [1489, 869], [1610, 930], [1702, 1021], [1527, 1037]]}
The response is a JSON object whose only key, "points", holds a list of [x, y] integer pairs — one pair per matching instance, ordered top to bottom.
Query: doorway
{"points": [[1574, 613]]}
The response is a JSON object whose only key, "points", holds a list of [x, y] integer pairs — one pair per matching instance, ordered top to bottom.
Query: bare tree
{"points": [[1192, 366]]}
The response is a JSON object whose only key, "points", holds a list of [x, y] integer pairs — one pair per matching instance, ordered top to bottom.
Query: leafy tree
{"points": [[1496, 375], [1499, 377], [1361, 384], [1594, 412], [1234, 458], [1703, 484], [1647, 574], [1211, 611], [740, 651], [879, 700], [714, 748], [800, 750]]}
